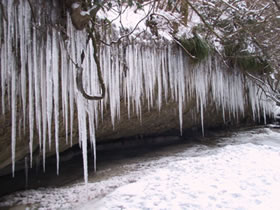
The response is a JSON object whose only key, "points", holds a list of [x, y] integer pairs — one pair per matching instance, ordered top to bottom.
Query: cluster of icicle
{"points": [[38, 82]]}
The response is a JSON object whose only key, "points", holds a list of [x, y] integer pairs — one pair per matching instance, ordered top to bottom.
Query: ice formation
{"points": [[38, 82]]}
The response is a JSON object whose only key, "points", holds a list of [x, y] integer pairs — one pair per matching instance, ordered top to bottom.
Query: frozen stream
{"points": [[237, 172]]}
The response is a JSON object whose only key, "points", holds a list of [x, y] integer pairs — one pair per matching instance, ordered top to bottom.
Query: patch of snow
{"points": [[75, 5], [84, 13], [131, 17], [127, 19], [186, 31], [241, 172], [244, 176]]}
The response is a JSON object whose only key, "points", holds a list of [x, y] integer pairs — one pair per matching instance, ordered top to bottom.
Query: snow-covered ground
{"points": [[237, 172]]}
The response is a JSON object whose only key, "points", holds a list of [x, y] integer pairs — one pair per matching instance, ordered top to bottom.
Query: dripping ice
{"points": [[144, 74]]}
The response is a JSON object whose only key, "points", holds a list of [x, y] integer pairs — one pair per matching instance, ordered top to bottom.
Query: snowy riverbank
{"points": [[237, 172]]}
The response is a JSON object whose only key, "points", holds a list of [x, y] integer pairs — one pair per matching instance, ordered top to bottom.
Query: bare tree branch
{"points": [[203, 20], [129, 33], [179, 43], [266, 88]]}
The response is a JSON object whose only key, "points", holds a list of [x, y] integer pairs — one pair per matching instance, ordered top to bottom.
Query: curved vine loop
{"points": [[79, 76], [79, 81]]}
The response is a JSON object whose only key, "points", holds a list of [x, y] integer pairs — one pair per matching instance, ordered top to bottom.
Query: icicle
{"points": [[20, 32], [129, 60], [4, 65], [170, 72], [164, 73], [55, 75], [71, 75], [159, 82], [49, 84], [64, 87], [181, 88], [37, 89], [71, 104], [31, 105], [44, 107], [14, 114], [264, 114], [180, 116], [202, 120], [83, 133], [92, 133], [26, 171]]}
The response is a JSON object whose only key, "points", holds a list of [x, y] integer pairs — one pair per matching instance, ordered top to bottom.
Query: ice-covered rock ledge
{"points": [[151, 88]]}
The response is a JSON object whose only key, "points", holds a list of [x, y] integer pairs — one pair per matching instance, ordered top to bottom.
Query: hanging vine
{"points": [[80, 21], [79, 76]]}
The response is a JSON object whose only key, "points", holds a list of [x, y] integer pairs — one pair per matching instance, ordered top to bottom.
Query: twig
{"points": [[232, 7], [203, 20], [168, 21], [129, 33], [253, 38], [179, 43], [70, 58], [261, 84]]}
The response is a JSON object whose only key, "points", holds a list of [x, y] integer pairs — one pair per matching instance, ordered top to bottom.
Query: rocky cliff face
{"points": [[151, 87]]}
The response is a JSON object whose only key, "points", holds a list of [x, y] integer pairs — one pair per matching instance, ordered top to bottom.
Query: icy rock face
{"points": [[40, 100]]}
